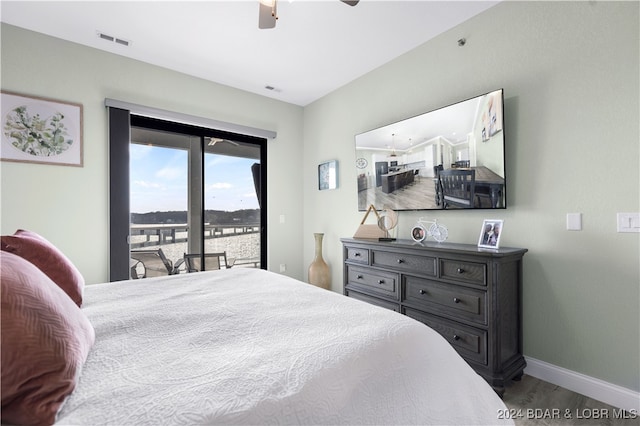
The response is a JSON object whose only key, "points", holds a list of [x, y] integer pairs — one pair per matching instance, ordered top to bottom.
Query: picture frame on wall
{"points": [[40, 130], [328, 175], [490, 233]]}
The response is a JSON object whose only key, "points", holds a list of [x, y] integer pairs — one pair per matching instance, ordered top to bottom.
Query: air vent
{"points": [[113, 39]]}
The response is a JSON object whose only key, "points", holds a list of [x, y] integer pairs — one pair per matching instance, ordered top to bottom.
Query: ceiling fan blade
{"points": [[350, 2], [268, 15], [213, 141]]}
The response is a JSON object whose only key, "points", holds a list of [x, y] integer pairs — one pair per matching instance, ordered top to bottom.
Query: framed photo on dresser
{"points": [[490, 233]]}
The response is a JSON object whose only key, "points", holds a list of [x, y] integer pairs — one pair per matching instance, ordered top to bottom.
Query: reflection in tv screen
{"points": [[449, 158]]}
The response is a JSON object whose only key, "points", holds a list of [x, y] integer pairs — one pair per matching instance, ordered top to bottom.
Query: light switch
{"points": [[281, 218], [574, 221], [628, 222]]}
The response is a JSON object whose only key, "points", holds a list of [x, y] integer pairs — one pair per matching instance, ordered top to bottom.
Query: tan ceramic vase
{"points": [[319, 273]]}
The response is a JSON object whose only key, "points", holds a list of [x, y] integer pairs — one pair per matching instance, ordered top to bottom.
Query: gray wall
{"points": [[570, 73], [69, 205]]}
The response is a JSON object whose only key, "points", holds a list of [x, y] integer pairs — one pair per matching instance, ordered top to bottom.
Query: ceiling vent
{"points": [[113, 39]]}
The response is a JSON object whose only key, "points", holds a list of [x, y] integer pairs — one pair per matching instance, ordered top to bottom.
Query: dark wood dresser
{"points": [[471, 296]]}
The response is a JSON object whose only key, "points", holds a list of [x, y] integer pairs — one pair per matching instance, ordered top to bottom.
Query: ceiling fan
{"points": [[269, 12], [214, 141]]}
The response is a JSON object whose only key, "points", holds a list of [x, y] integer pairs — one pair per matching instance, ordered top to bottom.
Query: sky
{"points": [[159, 179]]}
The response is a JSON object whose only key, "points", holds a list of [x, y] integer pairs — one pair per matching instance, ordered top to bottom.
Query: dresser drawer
{"points": [[356, 254], [425, 265], [463, 271], [372, 281], [373, 300], [450, 300], [470, 342]]}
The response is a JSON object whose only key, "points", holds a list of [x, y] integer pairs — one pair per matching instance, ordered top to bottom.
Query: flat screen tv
{"points": [[449, 158]]}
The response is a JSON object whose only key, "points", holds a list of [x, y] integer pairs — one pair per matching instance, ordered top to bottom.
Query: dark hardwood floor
{"points": [[533, 402]]}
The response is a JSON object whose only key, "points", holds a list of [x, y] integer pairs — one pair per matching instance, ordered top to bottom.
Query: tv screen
{"points": [[449, 158]]}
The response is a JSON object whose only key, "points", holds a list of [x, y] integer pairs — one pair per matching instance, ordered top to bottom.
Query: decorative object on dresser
{"points": [[387, 222], [369, 230], [420, 232], [490, 233], [319, 273], [472, 297]]}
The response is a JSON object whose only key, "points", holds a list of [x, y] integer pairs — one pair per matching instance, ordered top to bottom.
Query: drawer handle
{"points": [[357, 254], [400, 261], [460, 270], [359, 277], [380, 281], [422, 291], [456, 300], [456, 337]]}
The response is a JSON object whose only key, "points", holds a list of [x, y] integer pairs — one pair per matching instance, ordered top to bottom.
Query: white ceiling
{"points": [[316, 47]]}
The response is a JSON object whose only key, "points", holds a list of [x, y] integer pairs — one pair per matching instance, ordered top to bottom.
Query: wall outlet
{"points": [[283, 267]]}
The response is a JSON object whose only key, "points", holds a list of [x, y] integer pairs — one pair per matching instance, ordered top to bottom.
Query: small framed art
{"points": [[40, 130], [328, 175], [418, 233], [490, 233]]}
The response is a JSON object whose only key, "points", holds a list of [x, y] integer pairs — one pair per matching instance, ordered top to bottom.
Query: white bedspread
{"points": [[246, 346]]}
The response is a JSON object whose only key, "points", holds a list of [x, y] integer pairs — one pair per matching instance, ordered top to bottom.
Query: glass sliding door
{"points": [[162, 185], [190, 193], [232, 220]]}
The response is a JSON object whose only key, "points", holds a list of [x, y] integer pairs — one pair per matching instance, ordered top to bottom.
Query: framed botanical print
{"points": [[40, 130], [328, 175]]}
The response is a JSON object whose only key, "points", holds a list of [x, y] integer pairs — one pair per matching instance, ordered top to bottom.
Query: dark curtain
{"points": [[255, 170]]}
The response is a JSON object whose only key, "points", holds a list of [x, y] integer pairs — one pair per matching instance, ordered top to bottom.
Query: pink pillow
{"points": [[49, 259], [45, 340]]}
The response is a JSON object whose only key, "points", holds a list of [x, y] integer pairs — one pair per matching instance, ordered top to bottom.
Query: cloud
{"points": [[139, 151], [169, 173], [145, 184], [219, 185]]}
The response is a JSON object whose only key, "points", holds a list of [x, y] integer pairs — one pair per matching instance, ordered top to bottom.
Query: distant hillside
{"points": [[210, 216]]}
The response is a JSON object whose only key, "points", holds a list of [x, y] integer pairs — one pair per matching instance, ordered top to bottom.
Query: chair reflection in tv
{"points": [[436, 180], [458, 188], [212, 261], [154, 263]]}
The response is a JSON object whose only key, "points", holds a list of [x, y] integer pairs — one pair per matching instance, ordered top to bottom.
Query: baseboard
{"points": [[600, 390]]}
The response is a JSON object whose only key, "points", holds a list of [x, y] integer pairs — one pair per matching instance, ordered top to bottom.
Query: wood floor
{"points": [[419, 195], [533, 402]]}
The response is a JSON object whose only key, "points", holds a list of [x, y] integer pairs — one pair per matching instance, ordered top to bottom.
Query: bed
{"points": [[248, 346]]}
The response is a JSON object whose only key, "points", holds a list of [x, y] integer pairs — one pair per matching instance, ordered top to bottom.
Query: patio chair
{"points": [[154, 261], [212, 261]]}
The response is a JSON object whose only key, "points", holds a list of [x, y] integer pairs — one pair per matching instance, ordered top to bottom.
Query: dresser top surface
{"points": [[443, 247]]}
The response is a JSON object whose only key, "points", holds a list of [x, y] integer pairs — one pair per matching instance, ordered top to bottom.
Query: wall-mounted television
{"points": [[449, 158]]}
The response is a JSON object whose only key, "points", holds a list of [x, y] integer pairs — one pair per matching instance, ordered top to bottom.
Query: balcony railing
{"points": [[143, 235]]}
